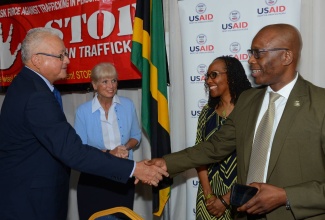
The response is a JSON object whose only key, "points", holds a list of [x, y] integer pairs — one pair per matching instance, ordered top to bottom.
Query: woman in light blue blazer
{"points": [[108, 122]]}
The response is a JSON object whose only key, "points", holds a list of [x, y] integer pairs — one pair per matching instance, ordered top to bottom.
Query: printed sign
{"points": [[93, 31]]}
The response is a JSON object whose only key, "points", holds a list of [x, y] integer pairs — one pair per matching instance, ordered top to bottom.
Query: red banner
{"points": [[93, 31]]}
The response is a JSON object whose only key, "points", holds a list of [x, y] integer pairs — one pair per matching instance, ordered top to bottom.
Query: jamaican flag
{"points": [[149, 56]]}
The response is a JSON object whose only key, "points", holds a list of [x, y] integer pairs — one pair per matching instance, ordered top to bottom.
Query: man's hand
{"points": [[160, 162], [149, 174], [266, 199]]}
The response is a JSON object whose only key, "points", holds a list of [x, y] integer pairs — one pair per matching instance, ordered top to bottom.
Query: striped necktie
{"points": [[261, 143]]}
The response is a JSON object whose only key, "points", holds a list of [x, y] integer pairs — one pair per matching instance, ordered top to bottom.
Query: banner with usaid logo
{"points": [[213, 28]]}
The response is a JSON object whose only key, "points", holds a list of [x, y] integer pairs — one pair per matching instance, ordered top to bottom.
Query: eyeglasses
{"points": [[257, 52], [61, 56], [213, 75]]}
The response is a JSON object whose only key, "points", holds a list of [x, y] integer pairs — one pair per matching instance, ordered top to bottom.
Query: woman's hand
{"points": [[120, 151], [215, 207]]}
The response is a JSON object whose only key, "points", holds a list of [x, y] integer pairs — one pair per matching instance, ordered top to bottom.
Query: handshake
{"points": [[150, 171]]}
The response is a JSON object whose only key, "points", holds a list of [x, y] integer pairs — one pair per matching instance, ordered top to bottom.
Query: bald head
{"points": [[283, 36], [277, 50]]}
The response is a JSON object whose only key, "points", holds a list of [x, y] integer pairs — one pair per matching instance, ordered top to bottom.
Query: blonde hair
{"points": [[103, 70]]}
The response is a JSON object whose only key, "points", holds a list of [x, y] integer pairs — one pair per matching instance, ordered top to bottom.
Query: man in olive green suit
{"points": [[294, 184]]}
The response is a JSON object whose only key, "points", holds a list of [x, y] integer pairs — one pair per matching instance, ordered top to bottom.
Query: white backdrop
{"points": [[212, 28], [313, 34]]}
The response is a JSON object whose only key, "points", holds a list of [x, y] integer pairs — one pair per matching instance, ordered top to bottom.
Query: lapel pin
{"points": [[296, 104]]}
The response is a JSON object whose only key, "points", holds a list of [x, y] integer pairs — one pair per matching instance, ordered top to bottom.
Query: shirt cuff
{"points": [[131, 175]]}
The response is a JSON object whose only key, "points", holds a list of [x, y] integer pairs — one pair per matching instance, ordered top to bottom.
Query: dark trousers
{"points": [[96, 193]]}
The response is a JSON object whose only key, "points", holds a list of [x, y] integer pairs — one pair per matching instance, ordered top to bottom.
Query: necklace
{"points": [[225, 109], [224, 113]]}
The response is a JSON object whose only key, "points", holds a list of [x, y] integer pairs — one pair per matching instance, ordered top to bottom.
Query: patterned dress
{"points": [[221, 175]]}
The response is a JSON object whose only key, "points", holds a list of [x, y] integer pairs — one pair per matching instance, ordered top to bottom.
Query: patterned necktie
{"points": [[57, 95], [262, 143]]}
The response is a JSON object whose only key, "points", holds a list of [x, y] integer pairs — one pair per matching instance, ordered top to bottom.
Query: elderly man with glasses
{"points": [[37, 144]]}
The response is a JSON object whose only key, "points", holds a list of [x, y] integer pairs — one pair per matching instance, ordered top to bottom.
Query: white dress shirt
{"points": [[280, 104], [111, 132]]}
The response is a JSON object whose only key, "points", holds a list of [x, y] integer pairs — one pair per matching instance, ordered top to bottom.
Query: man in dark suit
{"points": [[37, 144], [293, 183]]}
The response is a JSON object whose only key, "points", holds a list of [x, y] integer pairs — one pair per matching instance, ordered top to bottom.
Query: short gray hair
{"points": [[33, 38]]}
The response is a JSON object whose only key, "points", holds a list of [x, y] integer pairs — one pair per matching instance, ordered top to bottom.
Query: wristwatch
{"points": [[288, 207]]}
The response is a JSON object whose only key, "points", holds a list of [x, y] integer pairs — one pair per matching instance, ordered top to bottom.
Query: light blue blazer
{"points": [[88, 125]]}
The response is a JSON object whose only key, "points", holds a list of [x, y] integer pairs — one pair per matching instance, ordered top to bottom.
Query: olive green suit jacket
{"points": [[297, 161]]}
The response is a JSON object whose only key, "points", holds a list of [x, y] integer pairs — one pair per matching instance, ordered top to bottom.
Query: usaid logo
{"points": [[270, 2], [201, 8], [271, 9], [234, 16], [200, 17], [235, 25], [201, 39], [234, 47], [202, 69], [201, 103], [196, 113], [195, 183]]}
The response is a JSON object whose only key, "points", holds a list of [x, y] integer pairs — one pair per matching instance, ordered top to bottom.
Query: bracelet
{"points": [[209, 196], [223, 202]]}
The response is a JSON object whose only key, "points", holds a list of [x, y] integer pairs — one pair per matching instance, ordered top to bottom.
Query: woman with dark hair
{"points": [[225, 81]]}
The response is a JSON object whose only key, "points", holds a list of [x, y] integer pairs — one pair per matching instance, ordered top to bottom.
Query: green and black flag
{"points": [[149, 56]]}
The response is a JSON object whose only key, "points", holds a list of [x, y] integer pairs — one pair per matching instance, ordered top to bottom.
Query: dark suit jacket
{"points": [[37, 147], [297, 161]]}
